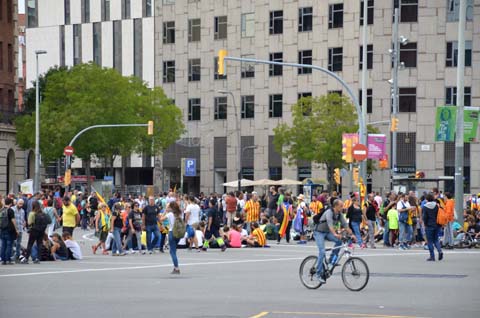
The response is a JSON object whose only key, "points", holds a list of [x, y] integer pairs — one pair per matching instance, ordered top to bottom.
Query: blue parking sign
{"points": [[190, 167]]}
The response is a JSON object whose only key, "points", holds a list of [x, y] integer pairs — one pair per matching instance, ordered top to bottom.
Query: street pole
{"points": [[396, 57], [363, 135], [459, 156], [36, 186]]}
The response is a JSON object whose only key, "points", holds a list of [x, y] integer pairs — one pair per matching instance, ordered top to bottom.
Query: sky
{"points": [[21, 6]]}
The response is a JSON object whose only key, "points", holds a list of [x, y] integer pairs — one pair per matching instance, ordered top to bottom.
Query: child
{"points": [[392, 217]]}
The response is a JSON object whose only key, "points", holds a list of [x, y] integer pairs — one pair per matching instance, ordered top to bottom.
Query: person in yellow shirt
{"points": [[315, 206], [252, 210], [70, 216], [257, 238]]}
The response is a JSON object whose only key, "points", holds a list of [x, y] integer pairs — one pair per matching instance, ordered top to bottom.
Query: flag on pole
{"points": [[101, 199]]}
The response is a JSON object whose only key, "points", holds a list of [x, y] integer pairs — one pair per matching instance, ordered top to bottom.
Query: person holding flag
{"points": [[284, 218]]}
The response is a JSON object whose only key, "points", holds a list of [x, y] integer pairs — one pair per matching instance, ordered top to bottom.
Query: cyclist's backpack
{"points": [[442, 217], [4, 219], [42, 220], [179, 228]]}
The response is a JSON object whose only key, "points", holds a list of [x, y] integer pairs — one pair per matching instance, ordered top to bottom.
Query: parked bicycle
{"points": [[355, 272]]}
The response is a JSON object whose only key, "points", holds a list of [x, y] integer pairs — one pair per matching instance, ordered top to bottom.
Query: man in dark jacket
{"points": [[429, 212]]}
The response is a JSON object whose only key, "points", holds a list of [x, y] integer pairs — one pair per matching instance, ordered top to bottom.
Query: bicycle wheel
{"points": [[308, 272], [355, 274]]}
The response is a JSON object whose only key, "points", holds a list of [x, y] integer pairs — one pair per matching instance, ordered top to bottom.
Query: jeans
{"points": [[152, 229], [356, 231], [371, 232], [386, 233], [403, 233], [448, 234], [409, 235], [138, 236], [34, 237], [432, 237], [117, 241], [320, 241], [7, 243], [172, 243], [18, 244]]}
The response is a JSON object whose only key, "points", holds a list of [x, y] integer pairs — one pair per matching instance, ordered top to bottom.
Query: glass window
{"points": [[167, 2], [453, 7], [147, 8], [126, 9], [105, 10], [408, 10], [66, 11], [85, 11], [370, 12], [32, 14], [9, 16], [305, 16], [335, 16], [276, 22], [248, 25], [220, 28], [193, 30], [169, 32], [97, 43], [77, 44], [62, 45], [117, 46], [137, 48], [408, 54], [452, 54], [10, 57], [305, 57], [369, 57], [335, 59], [248, 69], [193, 70], [276, 70], [169, 72], [217, 76], [451, 96], [369, 99], [407, 100], [306, 104], [275, 105], [248, 106], [194, 109], [220, 111], [406, 151]]}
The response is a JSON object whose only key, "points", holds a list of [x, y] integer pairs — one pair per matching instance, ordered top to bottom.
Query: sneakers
{"points": [[224, 248], [132, 251], [143, 252], [150, 252], [440, 256], [430, 259], [24, 261], [37, 261], [175, 271], [321, 279]]}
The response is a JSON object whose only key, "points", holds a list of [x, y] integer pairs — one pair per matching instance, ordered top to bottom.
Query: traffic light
{"points": [[221, 62], [394, 124], [150, 128], [347, 150], [383, 163], [336, 175], [355, 175], [419, 175], [68, 177]]}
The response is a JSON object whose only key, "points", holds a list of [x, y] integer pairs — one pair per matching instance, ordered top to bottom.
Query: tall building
{"points": [[174, 43]]}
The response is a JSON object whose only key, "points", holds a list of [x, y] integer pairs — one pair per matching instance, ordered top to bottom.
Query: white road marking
{"points": [[88, 237]]}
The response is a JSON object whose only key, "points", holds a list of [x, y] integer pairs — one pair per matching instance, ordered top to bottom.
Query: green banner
{"points": [[445, 123], [470, 125]]}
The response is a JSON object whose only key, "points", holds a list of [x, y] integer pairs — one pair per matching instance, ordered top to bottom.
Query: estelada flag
{"points": [[101, 199], [287, 208]]}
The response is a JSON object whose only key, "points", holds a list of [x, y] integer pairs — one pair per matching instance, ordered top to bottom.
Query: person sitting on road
{"points": [[257, 238], [59, 249], [73, 249]]}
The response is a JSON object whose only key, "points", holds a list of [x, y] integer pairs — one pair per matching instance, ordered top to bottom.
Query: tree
{"points": [[316, 131]]}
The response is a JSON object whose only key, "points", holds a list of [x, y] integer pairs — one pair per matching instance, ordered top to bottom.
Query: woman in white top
{"points": [[172, 212]]}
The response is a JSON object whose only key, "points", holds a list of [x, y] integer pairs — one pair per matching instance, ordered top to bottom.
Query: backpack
{"points": [[442, 217], [218, 219], [42, 220], [4, 221], [297, 222], [179, 228]]}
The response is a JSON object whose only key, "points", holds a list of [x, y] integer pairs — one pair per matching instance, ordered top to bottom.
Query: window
{"points": [[167, 2], [453, 7], [147, 8], [126, 9], [105, 10], [408, 10], [66, 11], [85, 11], [369, 12], [32, 13], [9, 16], [305, 16], [335, 16], [276, 22], [248, 25], [220, 28], [193, 30], [169, 32], [97, 43], [62, 44], [77, 44], [117, 45], [137, 48], [408, 54], [452, 54], [1, 56], [305, 57], [335, 57], [369, 57], [10, 58], [248, 69], [193, 70], [276, 70], [169, 72], [217, 76], [338, 92], [451, 96], [369, 99], [407, 100], [275, 105], [306, 105], [248, 106], [194, 109], [220, 111], [406, 151]]}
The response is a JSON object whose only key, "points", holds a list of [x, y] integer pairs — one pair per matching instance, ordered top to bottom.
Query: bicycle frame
{"points": [[344, 251]]}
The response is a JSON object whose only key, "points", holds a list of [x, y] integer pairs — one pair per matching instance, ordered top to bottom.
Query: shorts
{"points": [[190, 231], [103, 236], [255, 244]]}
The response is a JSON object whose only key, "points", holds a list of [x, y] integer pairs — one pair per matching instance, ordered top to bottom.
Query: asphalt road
{"points": [[240, 283]]}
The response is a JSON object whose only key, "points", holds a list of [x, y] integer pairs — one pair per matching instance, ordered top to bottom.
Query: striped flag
{"points": [[101, 199]]}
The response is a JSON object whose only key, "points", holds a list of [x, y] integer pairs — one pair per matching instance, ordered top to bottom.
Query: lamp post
{"points": [[239, 142], [36, 185]]}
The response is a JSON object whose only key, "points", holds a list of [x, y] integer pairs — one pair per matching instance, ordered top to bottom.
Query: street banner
{"points": [[445, 122], [470, 125], [349, 140], [376, 146], [26, 186]]}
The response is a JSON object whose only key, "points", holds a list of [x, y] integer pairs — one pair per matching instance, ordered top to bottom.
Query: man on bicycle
{"points": [[325, 230]]}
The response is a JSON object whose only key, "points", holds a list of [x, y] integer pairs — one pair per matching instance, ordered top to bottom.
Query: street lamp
{"points": [[37, 126], [237, 128]]}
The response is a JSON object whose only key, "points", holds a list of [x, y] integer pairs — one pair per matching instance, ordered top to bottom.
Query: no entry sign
{"points": [[68, 151], [360, 152]]}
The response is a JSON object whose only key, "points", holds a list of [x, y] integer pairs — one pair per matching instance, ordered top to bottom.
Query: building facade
{"points": [[174, 44]]}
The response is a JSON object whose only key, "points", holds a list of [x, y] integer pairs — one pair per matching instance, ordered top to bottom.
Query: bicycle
{"points": [[355, 272]]}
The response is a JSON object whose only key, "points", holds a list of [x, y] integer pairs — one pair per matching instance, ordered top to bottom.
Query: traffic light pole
{"points": [[396, 57]]}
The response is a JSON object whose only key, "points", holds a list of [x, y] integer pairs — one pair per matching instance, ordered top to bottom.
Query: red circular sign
{"points": [[68, 151], [360, 152]]}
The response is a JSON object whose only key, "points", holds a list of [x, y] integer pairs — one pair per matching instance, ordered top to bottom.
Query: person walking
{"points": [[231, 203], [52, 213], [370, 213], [173, 214], [429, 214], [70, 216], [355, 216], [149, 221], [38, 222], [21, 225], [116, 226], [101, 228], [8, 230], [448, 230]]}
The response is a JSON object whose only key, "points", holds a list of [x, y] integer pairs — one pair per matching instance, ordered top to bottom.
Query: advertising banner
{"points": [[445, 123], [376, 146]]}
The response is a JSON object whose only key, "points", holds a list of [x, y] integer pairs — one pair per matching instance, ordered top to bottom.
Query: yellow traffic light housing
{"points": [[221, 62], [394, 124], [150, 128], [336, 175], [355, 175]]}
